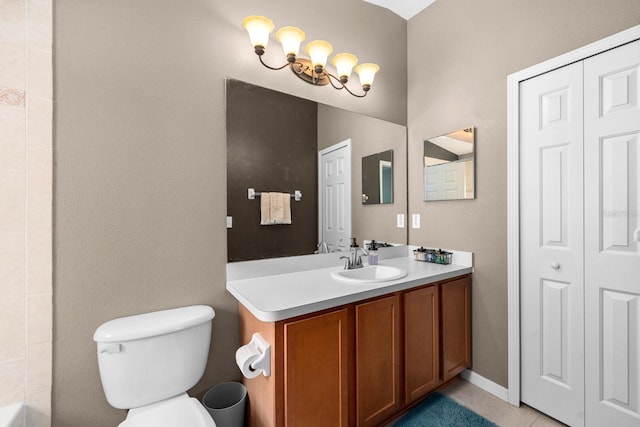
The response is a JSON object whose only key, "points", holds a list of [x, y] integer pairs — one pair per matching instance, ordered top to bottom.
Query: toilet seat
{"points": [[177, 411]]}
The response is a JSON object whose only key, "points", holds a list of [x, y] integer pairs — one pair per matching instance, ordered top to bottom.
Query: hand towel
{"points": [[275, 208], [287, 208], [265, 209]]}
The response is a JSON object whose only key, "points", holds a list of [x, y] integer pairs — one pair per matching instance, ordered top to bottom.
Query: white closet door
{"points": [[446, 181], [335, 196], [551, 244], [612, 247]]}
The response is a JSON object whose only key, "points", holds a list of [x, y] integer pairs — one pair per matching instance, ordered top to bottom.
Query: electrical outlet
{"points": [[400, 221], [415, 221], [229, 222]]}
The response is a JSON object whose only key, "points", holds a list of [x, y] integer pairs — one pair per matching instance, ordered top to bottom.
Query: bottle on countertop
{"points": [[372, 255]]}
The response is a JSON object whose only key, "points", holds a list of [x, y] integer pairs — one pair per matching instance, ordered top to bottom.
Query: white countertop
{"points": [[282, 296]]}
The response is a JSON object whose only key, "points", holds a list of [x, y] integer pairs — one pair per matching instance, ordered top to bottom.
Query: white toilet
{"points": [[148, 362]]}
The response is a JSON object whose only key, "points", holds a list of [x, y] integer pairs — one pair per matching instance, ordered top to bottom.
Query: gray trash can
{"points": [[226, 402]]}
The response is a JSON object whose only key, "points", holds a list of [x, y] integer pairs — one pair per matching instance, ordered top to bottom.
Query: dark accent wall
{"points": [[271, 146]]}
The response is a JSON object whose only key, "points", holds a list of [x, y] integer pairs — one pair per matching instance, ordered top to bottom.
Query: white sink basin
{"points": [[370, 274]]}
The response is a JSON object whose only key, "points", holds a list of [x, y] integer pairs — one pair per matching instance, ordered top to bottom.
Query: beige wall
{"points": [[459, 55], [369, 136], [139, 200], [25, 207]]}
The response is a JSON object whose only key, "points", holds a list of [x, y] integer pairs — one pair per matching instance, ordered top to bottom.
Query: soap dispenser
{"points": [[372, 255]]}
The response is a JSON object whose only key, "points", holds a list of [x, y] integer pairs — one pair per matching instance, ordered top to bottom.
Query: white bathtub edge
{"points": [[12, 415]]}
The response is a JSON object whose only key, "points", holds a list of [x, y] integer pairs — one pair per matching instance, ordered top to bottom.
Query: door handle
{"points": [[555, 265], [111, 348]]}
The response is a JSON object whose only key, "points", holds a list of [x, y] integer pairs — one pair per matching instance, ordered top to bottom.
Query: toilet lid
{"points": [[175, 413]]}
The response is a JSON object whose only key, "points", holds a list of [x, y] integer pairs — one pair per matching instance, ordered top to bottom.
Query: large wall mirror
{"points": [[275, 143], [449, 166]]}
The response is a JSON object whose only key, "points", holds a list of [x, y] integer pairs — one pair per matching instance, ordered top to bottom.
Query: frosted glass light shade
{"points": [[259, 28], [290, 38], [319, 51], [344, 63], [367, 72]]}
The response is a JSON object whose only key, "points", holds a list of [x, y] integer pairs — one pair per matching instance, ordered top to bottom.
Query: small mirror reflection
{"points": [[449, 169], [377, 178]]}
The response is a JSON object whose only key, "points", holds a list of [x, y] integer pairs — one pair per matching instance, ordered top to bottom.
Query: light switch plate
{"points": [[400, 221], [415, 221], [229, 222]]}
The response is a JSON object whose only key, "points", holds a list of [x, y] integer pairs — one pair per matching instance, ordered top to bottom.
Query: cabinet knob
{"points": [[555, 265]]}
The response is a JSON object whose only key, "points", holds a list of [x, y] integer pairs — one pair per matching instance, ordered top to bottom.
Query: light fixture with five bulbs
{"points": [[312, 70]]}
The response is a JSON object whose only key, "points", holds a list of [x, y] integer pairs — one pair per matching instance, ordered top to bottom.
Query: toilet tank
{"points": [[153, 356]]}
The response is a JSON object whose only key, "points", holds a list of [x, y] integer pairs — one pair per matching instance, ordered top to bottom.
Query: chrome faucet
{"points": [[322, 248], [354, 260]]}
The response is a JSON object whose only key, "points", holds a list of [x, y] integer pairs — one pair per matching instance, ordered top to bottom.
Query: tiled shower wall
{"points": [[26, 206]]}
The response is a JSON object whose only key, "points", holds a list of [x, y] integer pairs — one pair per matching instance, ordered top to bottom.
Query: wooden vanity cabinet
{"points": [[362, 363], [309, 382]]}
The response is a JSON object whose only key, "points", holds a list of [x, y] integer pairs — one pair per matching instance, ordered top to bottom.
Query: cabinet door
{"points": [[455, 327], [421, 345], [377, 360], [316, 373]]}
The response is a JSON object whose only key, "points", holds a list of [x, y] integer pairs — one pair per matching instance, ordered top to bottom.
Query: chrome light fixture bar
{"points": [[312, 70]]}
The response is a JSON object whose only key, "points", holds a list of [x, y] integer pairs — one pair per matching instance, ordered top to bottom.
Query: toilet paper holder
{"points": [[263, 362]]}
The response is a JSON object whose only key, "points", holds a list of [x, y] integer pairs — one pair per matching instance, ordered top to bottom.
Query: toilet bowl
{"points": [[148, 362], [176, 411]]}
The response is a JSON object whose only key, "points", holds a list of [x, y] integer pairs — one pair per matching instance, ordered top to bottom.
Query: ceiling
{"points": [[404, 8]]}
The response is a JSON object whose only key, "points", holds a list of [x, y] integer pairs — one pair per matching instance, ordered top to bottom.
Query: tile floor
{"points": [[495, 409]]}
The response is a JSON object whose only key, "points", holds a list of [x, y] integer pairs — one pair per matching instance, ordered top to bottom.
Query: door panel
{"points": [[619, 167], [554, 193], [335, 194], [551, 247], [612, 249], [618, 312], [555, 325]]}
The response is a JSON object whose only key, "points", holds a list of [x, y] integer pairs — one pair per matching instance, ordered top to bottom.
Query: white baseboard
{"points": [[486, 384]]}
